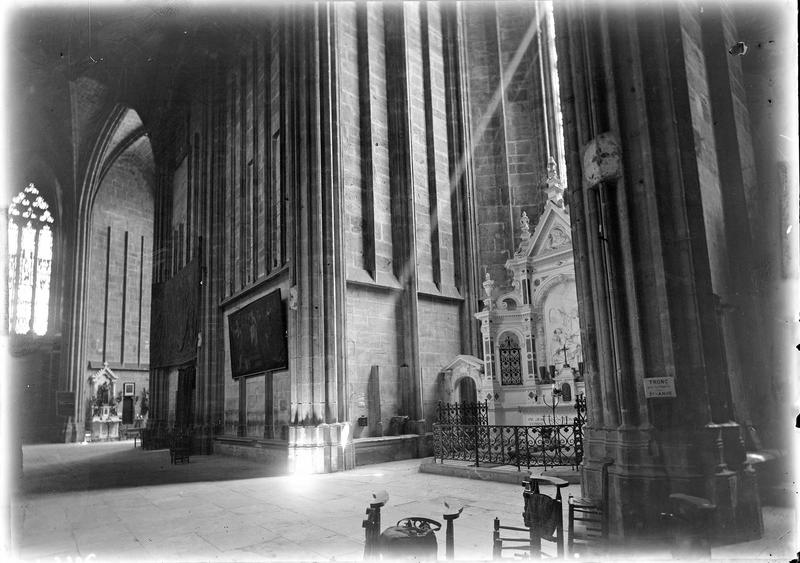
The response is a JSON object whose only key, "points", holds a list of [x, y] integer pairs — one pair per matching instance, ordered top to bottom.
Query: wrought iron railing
{"points": [[580, 409], [463, 413], [547, 445], [520, 446]]}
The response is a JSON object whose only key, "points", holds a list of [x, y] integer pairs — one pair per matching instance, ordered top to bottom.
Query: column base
{"points": [[325, 448], [650, 465]]}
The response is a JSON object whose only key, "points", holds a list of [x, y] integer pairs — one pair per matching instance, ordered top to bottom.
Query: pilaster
{"points": [[401, 182], [319, 439]]}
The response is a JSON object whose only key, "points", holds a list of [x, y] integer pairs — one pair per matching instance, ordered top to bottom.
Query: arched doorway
{"points": [[467, 391]]}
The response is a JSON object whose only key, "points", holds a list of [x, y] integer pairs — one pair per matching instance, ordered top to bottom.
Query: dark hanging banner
{"points": [[173, 318], [258, 336], [65, 403]]}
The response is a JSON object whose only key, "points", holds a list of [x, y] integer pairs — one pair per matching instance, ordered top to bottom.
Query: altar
{"points": [[532, 356], [103, 421], [104, 430]]}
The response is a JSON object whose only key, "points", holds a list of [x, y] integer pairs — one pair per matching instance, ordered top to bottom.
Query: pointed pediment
{"points": [[553, 233], [461, 360], [103, 374]]}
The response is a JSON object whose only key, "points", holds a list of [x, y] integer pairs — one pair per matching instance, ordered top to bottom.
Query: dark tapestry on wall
{"points": [[173, 318], [258, 336]]}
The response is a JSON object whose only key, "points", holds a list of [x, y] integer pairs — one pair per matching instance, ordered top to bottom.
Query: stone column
{"points": [[645, 254], [209, 409], [319, 435]]}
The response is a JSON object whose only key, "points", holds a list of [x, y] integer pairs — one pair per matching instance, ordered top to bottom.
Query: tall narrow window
{"points": [[30, 255]]}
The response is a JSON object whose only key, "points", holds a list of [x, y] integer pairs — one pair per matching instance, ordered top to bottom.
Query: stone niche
{"points": [[532, 350], [462, 380], [102, 420]]}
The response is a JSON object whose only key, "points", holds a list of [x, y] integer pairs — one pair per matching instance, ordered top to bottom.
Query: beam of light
{"points": [[494, 102], [483, 123], [406, 271], [301, 469]]}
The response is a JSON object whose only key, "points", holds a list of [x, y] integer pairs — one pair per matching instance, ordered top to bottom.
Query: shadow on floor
{"points": [[97, 467]]}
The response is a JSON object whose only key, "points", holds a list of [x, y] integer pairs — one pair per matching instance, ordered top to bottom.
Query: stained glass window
{"points": [[30, 254]]}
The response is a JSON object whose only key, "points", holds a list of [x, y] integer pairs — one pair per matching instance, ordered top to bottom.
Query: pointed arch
{"points": [[120, 132], [30, 257]]}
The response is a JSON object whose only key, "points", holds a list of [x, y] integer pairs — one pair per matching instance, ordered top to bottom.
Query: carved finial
{"points": [[554, 189], [525, 223]]}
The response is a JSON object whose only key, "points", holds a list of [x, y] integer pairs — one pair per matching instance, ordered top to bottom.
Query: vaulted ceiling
{"points": [[70, 67]]}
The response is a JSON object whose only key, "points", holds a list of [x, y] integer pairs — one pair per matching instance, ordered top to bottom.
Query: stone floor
{"points": [[111, 502]]}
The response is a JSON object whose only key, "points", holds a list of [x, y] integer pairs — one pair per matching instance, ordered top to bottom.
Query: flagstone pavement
{"points": [[113, 502]]}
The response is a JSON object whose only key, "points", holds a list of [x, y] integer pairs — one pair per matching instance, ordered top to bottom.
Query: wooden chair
{"points": [[180, 448], [592, 513], [543, 520]]}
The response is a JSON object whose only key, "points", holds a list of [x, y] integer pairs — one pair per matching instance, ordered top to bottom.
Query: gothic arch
{"points": [[120, 132]]}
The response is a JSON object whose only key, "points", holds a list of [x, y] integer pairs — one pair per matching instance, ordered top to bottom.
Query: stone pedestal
{"points": [[321, 449]]}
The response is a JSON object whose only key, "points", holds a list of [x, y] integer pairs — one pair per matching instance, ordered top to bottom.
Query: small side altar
{"points": [[103, 421], [105, 426]]}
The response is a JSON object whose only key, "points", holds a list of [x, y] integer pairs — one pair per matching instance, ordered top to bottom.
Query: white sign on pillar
{"points": [[659, 387]]}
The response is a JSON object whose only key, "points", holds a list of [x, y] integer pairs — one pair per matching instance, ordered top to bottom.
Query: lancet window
{"points": [[30, 256]]}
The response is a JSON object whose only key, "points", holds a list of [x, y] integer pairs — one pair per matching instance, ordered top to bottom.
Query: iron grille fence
{"points": [[580, 409], [463, 413], [578, 423], [548, 445], [520, 446]]}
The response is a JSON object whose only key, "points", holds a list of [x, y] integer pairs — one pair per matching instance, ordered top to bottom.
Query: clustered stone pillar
{"points": [[655, 368], [319, 434]]}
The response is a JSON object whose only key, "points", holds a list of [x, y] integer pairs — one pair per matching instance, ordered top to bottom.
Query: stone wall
{"points": [[513, 120], [287, 182], [119, 288], [375, 305], [373, 340], [439, 344], [33, 367]]}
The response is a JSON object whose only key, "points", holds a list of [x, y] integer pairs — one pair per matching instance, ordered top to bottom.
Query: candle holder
{"points": [[553, 401]]}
